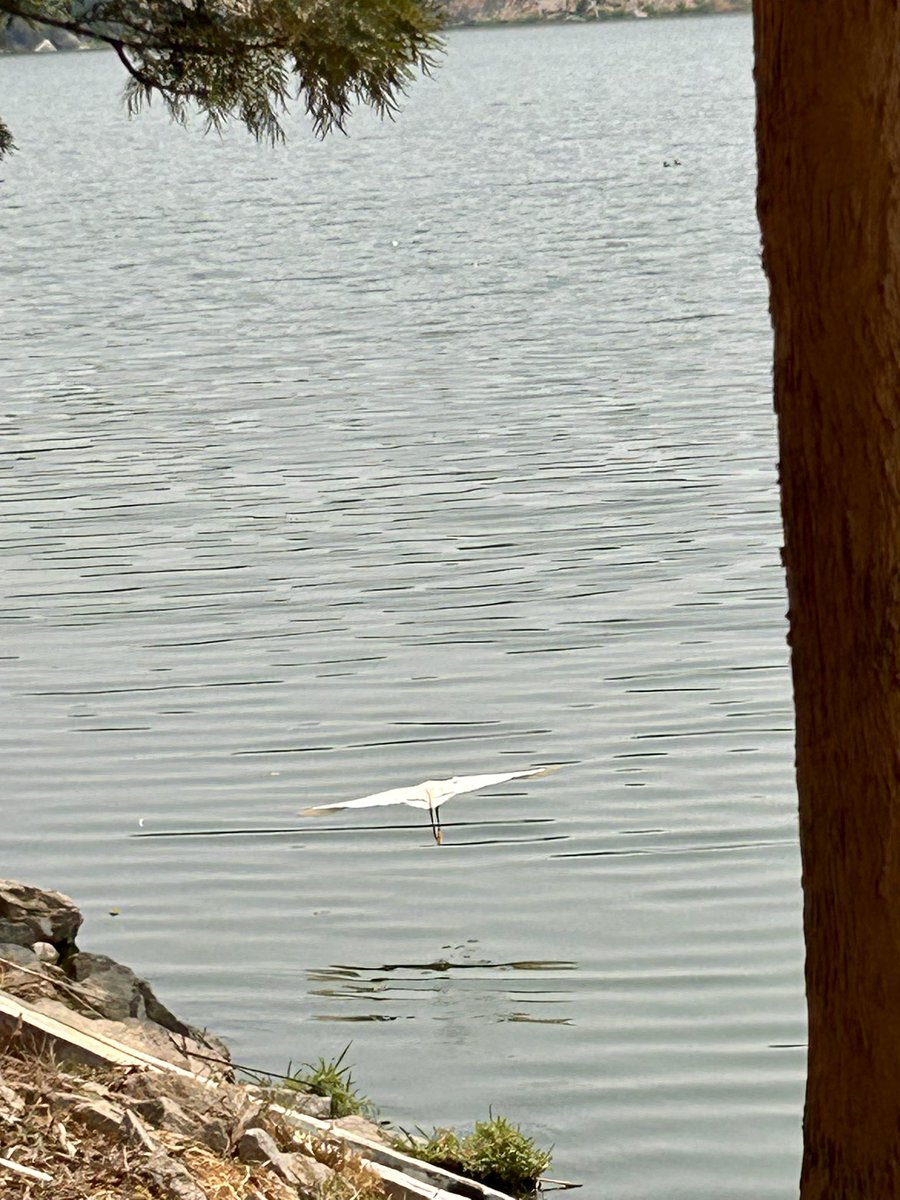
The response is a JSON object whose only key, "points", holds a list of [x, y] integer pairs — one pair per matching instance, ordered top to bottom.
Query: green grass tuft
{"points": [[330, 1078], [496, 1153]]}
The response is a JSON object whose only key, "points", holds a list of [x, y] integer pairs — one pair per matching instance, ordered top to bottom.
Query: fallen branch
{"points": [[28, 1172]]}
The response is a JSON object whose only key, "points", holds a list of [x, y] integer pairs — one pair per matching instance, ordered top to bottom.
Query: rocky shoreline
{"points": [[520, 12], [18, 36], [41, 962], [105, 1093], [179, 1135]]}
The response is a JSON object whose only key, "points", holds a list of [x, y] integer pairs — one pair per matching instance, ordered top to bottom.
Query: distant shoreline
{"points": [[477, 14]]}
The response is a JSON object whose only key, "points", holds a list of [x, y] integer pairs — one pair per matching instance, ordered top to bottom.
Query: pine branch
{"points": [[246, 60]]}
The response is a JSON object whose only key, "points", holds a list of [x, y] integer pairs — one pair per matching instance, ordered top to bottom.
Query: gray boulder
{"points": [[20, 36], [63, 40], [29, 914], [16, 933], [15, 952], [118, 993], [310, 1105], [163, 1113], [99, 1115], [363, 1127], [134, 1133], [257, 1146], [305, 1174], [310, 1177], [173, 1180]]}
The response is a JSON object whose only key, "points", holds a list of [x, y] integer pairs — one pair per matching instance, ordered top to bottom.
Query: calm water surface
{"points": [[442, 448]]}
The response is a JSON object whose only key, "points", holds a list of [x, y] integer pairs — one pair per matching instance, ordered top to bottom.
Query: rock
{"points": [[479, 12], [19, 35], [63, 40], [45, 47], [47, 916], [17, 933], [45, 952], [18, 953], [30, 977], [32, 981], [112, 989], [119, 992], [120, 995], [148, 1038], [155, 1040], [213, 1048], [150, 1085], [93, 1088], [304, 1102], [184, 1107], [163, 1113], [99, 1115], [245, 1119], [362, 1128], [135, 1134], [215, 1134], [257, 1146], [310, 1177], [173, 1180]]}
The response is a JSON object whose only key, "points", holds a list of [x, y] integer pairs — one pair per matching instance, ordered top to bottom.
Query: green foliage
{"points": [[248, 59], [7, 145], [330, 1078], [496, 1153]]}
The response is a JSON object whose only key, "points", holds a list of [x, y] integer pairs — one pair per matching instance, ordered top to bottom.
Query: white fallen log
{"points": [[73, 1043], [387, 1156]]}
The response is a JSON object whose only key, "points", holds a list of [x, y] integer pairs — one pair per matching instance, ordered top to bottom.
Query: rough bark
{"points": [[828, 134]]}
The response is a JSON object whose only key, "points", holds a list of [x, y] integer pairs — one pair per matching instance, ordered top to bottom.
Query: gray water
{"points": [[443, 448]]}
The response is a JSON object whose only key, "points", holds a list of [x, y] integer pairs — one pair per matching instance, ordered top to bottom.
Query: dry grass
{"points": [[36, 1131], [83, 1162], [81, 1166], [353, 1178], [228, 1179]]}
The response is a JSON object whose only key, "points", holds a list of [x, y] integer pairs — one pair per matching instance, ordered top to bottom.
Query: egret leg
{"points": [[435, 825]]}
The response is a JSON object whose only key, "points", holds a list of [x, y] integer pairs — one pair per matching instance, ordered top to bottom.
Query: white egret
{"points": [[430, 795]]}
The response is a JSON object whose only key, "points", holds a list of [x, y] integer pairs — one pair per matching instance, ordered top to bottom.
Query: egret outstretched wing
{"points": [[474, 783], [409, 795]]}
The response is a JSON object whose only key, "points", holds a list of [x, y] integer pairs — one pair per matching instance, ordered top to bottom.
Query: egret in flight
{"points": [[430, 795]]}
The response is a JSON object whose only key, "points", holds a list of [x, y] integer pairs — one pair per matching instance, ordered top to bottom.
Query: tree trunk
{"points": [[828, 134]]}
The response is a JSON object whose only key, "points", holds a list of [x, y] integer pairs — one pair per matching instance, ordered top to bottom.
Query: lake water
{"points": [[443, 448]]}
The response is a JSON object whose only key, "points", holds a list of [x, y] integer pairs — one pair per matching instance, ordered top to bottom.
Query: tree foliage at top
{"points": [[249, 59]]}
